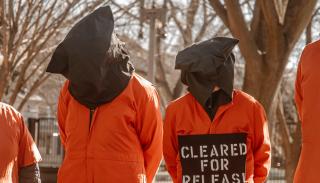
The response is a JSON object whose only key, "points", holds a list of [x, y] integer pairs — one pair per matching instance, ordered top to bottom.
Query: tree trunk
{"points": [[268, 44], [4, 64], [264, 81], [290, 142]]}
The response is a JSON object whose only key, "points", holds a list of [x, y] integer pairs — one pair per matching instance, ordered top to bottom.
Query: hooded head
{"points": [[93, 59], [208, 64]]}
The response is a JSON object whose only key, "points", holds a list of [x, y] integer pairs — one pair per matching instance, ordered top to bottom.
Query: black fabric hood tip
{"points": [[97, 26], [200, 56], [93, 59], [206, 64]]}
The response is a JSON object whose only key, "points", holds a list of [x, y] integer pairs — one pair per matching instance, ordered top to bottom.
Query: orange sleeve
{"points": [[298, 92], [62, 113], [150, 132], [170, 145], [261, 145], [28, 151]]}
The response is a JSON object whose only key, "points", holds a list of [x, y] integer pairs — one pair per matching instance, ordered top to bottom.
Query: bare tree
{"points": [[268, 34], [266, 39], [290, 137]]}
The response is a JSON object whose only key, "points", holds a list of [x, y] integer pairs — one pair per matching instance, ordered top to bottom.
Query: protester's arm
{"points": [[298, 91], [62, 112], [150, 132], [170, 145], [261, 145], [28, 157], [30, 174]]}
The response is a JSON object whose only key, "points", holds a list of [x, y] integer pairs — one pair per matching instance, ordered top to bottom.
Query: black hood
{"points": [[93, 59], [207, 64]]}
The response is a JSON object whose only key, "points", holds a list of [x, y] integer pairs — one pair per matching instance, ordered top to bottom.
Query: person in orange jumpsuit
{"points": [[308, 106], [211, 110], [109, 116], [19, 155]]}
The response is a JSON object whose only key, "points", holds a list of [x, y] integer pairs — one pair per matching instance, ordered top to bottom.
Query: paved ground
{"points": [[48, 175]]}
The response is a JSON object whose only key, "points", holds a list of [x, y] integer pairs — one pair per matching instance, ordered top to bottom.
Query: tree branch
{"points": [[221, 11], [191, 13], [270, 16], [297, 18], [175, 19], [256, 19], [205, 24], [239, 29], [32, 90], [283, 124]]}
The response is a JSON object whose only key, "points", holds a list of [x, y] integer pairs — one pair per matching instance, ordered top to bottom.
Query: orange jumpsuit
{"points": [[307, 99], [244, 114], [122, 143], [17, 148]]}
